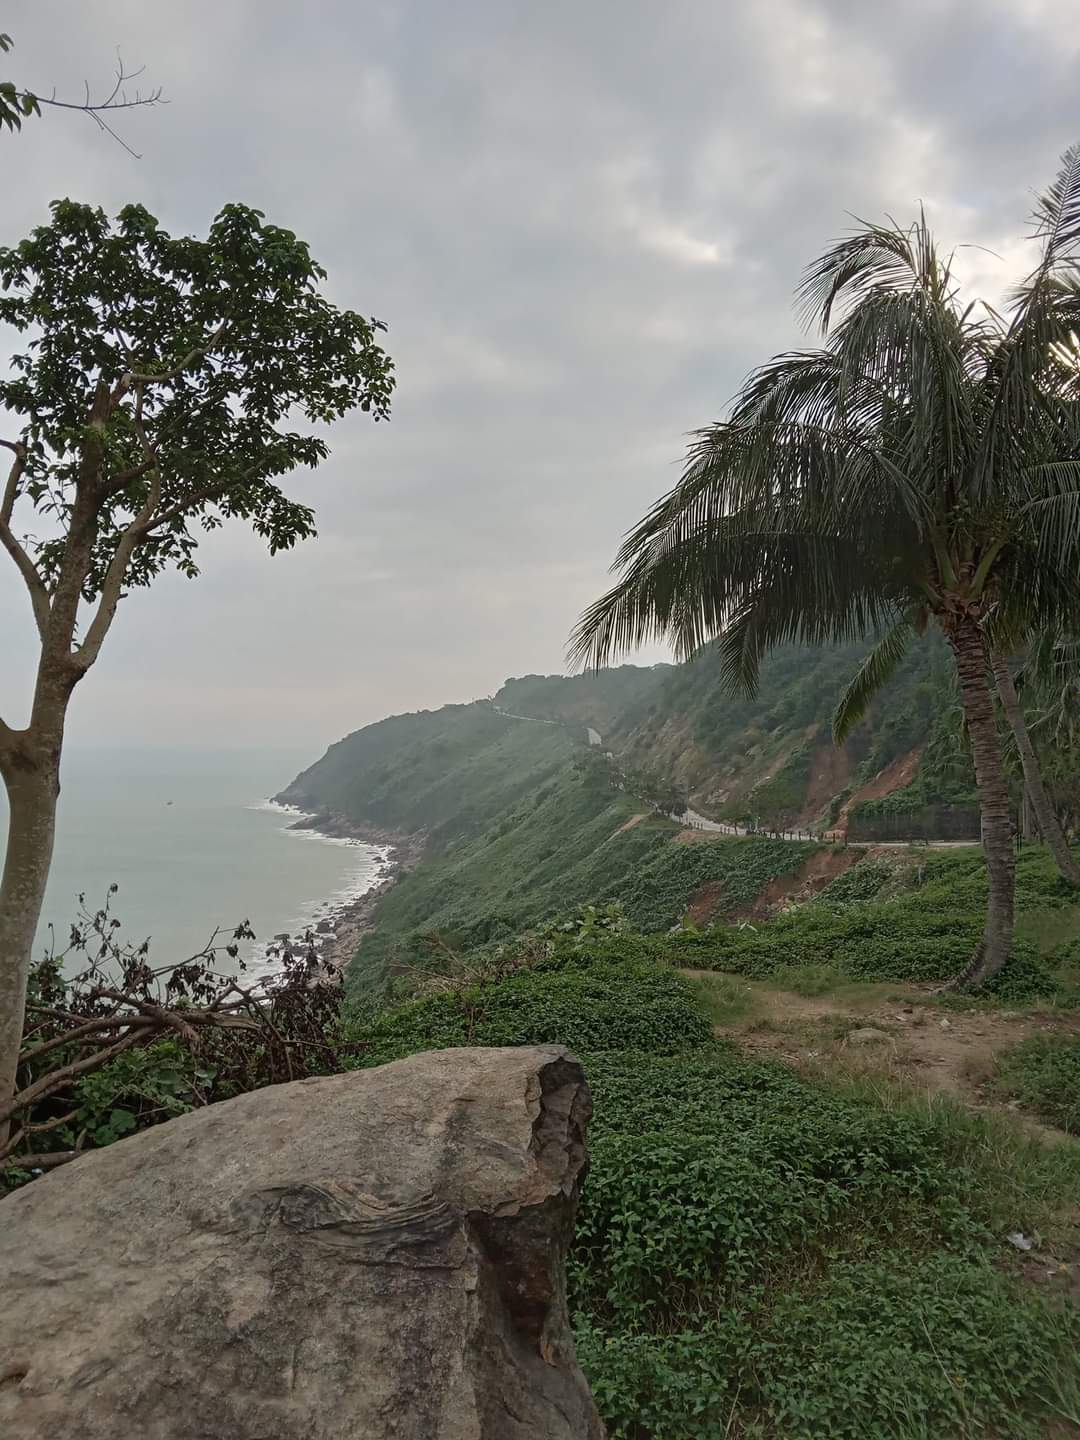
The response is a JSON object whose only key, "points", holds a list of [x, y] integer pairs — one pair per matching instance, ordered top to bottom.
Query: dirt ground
{"points": [[894, 1030]]}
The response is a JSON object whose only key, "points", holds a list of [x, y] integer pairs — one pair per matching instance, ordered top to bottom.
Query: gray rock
{"points": [[867, 1036], [367, 1255]]}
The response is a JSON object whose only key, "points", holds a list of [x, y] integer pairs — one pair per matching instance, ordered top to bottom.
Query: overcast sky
{"points": [[582, 223]]}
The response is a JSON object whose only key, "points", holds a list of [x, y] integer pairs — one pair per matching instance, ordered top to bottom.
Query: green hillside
{"points": [[772, 757], [451, 772], [524, 821]]}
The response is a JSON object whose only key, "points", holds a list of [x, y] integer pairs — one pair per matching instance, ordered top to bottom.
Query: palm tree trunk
{"points": [[966, 640], [1040, 799]]}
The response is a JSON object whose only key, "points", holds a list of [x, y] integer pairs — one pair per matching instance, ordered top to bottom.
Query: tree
{"points": [[17, 103], [167, 384], [920, 467], [1041, 803]]}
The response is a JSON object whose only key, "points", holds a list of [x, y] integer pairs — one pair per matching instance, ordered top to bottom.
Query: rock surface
{"points": [[368, 1255]]}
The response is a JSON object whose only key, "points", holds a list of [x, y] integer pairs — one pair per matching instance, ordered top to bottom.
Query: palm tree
{"points": [[921, 467], [1039, 796]]}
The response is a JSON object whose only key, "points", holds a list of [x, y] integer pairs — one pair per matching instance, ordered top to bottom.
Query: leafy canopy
{"points": [[166, 379]]}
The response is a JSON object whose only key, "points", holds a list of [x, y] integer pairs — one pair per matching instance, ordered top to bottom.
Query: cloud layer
{"points": [[583, 224]]}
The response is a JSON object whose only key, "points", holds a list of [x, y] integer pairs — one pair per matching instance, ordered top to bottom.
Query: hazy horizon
{"points": [[583, 225]]}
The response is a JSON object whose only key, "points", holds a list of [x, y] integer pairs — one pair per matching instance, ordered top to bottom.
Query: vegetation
{"points": [[156, 395], [917, 469], [719, 745], [568, 843], [657, 894], [876, 923], [112, 1045], [1043, 1075], [760, 1255]]}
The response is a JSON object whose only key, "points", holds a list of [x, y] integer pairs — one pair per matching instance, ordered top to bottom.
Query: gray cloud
{"points": [[583, 224]]}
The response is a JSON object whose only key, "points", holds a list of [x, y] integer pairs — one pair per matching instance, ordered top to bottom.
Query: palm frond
{"points": [[1057, 211], [874, 256], [878, 668]]}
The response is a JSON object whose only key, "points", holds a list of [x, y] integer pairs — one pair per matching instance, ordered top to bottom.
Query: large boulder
{"points": [[368, 1255]]}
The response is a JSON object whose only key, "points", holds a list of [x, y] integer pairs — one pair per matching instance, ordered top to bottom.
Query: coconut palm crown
{"points": [[922, 466]]}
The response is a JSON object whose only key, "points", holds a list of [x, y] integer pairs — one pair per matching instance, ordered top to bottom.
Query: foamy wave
{"points": [[292, 813], [370, 870]]}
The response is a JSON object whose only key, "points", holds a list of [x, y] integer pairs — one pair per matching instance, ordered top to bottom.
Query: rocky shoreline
{"points": [[338, 932]]}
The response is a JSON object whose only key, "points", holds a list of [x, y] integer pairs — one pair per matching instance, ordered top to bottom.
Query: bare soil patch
{"points": [[829, 772], [894, 777], [629, 825], [820, 870], [946, 1051]]}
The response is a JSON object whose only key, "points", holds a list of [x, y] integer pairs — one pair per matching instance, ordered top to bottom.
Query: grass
{"points": [[726, 999], [1043, 1075]]}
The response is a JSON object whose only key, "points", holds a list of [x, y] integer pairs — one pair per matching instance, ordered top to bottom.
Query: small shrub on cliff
{"points": [[118, 1046]]}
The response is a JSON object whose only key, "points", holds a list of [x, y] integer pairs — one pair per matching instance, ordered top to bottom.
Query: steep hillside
{"points": [[772, 759], [451, 772], [524, 821]]}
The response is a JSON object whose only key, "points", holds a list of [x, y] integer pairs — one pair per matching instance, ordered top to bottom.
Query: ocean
{"points": [[193, 843]]}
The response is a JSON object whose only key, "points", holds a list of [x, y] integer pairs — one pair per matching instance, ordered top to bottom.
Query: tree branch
{"points": [[117, 100], [198, 353], [197, 497], [39, 595], [86, 653], [57, 1079], [49, 1161]]}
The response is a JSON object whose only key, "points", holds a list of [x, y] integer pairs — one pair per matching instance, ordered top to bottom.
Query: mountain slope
{"points": [[771, 758]]}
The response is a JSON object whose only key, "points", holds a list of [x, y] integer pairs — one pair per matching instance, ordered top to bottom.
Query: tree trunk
{"points": [[966, 639], [32, 788], [1040, 799]]}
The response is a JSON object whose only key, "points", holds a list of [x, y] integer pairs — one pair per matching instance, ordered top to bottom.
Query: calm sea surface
{"points": [[192, 843]]}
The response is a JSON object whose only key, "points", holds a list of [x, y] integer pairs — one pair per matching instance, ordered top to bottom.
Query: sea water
{"points": [[193, 843]]}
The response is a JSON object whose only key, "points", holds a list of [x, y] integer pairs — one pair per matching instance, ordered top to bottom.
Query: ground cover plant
{"points": [[759, 1254]]}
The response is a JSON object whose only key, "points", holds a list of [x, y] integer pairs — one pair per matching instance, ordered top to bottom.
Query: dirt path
{"points": [[891, 1029]]}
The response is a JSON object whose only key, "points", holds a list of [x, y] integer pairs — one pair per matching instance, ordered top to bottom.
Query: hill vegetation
{"points": [[780, 1235]]}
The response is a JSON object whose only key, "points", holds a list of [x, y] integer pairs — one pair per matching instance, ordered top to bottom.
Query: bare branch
{"points": [[116, 100], [39, 595], [88, 651], [151, 1011], [115, 1021], [57, 1079], [49, 1161]]}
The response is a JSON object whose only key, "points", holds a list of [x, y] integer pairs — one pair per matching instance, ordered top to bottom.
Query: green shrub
{"points": [[864, 881], [657, 894], [904, 939], [599, 1006], [1043, 1073], [139, 1088], [737, 1265], [930, 1347], [911, 1348], [916, 1349]]}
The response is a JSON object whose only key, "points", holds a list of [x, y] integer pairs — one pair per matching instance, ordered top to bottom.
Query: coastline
{"points": [[338, 932]]}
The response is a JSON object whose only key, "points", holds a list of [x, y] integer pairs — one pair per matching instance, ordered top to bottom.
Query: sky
{"points": [[582, 223]]}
